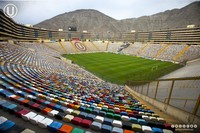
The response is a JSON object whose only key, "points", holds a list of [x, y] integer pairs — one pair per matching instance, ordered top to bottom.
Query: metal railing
{"points": [[183, 93]]}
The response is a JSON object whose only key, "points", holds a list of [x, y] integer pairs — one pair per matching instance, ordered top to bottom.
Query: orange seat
{"points": [[25, 101], [46, 110], [65, 129], [128, 131]]}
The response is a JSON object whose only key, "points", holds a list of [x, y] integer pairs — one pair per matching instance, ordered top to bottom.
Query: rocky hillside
{"points": [[97, 22]]}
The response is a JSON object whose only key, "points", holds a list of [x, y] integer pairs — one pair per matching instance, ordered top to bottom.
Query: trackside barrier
{"points": [[181, 93]]}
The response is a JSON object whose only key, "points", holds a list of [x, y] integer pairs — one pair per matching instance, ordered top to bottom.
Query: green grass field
{"points": [[118, 68]]}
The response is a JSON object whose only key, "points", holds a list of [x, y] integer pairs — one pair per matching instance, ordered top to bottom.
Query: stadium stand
{"points": [[43, 91], [86, 104]]}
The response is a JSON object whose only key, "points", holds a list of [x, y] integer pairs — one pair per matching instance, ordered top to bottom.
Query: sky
{"points": [[35, 11]]}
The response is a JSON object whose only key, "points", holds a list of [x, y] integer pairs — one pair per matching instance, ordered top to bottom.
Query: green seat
{"points": [[104, 109], [88, 110], [111, 111], [109, 115], [117, 116], [77, 130]]}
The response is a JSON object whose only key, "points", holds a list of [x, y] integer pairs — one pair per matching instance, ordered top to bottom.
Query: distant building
{"points": [[28, 25], [191, 26], [72, 28]]}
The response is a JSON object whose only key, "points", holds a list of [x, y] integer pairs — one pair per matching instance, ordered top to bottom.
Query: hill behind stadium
{"points": [[97, 22]]}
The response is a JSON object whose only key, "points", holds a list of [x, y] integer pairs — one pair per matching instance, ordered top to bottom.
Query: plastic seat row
{"points": [[34, 118], [8, 126]]}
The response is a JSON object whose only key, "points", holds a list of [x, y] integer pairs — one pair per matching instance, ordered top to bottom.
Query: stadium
{"points": [[77, 82]]}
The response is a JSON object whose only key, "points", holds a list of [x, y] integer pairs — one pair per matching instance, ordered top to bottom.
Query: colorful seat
{"points": [[29, 115], [37, 118], [68, 118], [76, 120], [45, 122], [86, 123], [117, 123], [54, 126], [96, 126], [106, 128], [65, 129], [77, 130], [117, 130]]}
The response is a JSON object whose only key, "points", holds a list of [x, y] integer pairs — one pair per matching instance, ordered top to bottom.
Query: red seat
{"points": [[41, 101], [35, 105], [51, 105], [117, 111], [22, 112], [131, 114], [76, 120], [86, 123]]}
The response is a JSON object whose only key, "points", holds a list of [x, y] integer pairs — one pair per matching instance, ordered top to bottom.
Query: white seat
{"points": [[99, 108], [68, 111], [53, 112], [28, 116], [145, 117], [125, 118], [2, 119], [36, 119], [99, 119], [45, 122], [117, 123], [146, 129], [28, 131], [167, 131]]}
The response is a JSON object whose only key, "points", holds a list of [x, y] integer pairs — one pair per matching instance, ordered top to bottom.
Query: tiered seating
{"points": [[100, 45], [113, 47], [133, 49], [151, 50], [192, 53], [167, 54], [52, 97], [8, 126]]}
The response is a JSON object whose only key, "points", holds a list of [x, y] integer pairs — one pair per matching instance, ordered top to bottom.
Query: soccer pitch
{"points": [[117, 68]]}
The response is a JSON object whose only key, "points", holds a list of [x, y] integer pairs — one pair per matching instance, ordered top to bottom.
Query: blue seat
{"points": [[1, 102], [5, 105], [11, 106], [57, 107], [63, 108], [82, 108], [150, 111], [95, 112], [102, 113], [124, 113], [83, 115], [90, 117], [133, 120], [107, 121], [142, 122], [127, 125], [6, 126], [54, 126], [106, 128], [15, 129], [117, 130], [157, 130]]}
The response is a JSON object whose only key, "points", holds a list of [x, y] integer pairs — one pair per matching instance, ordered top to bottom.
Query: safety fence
{"points": [[183, 93]]}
